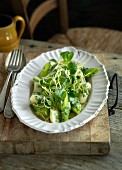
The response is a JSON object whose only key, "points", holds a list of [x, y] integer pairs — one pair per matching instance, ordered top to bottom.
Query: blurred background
{"points": [[80, 14]]}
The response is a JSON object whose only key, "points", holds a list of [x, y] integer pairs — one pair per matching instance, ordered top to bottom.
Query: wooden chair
{"points": [[40, 11], [92, 39], [95, 39]]}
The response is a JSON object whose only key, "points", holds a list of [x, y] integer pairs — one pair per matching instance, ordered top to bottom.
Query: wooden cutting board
{"points": [[91, 139]]}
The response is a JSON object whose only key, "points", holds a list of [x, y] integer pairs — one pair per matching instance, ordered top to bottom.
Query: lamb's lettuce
{"points": [[67, 56], [88, 72], [61, 89]]}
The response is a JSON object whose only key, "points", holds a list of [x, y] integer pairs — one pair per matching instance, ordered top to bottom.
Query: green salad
{"points": [[61, 90]]}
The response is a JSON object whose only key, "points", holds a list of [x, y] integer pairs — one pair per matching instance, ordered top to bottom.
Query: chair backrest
{"points": [[40, 11]]}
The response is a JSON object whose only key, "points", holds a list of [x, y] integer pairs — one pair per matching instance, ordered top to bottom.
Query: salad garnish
{"points": [[61, 89]]}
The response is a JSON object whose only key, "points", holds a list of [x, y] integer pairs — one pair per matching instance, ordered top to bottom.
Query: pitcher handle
{"points": [[22, 25]]}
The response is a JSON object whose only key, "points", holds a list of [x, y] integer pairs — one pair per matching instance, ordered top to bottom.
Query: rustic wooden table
{"points": [[113, 160]]}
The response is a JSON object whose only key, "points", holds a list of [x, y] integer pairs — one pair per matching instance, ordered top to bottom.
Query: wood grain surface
{"points": [[91, 139], [20, 161]]}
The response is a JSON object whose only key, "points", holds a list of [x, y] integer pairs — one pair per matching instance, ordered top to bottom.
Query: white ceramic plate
{"points": [[21, 92]]}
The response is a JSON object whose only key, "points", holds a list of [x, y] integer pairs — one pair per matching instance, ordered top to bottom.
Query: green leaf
{"points": [[67, 56], [53, 60], [72, 67], [52, 68], [45, 70], [88, 72], [63, 80], [71, 92], [60, 94], [48, 102], [44, 112]]}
